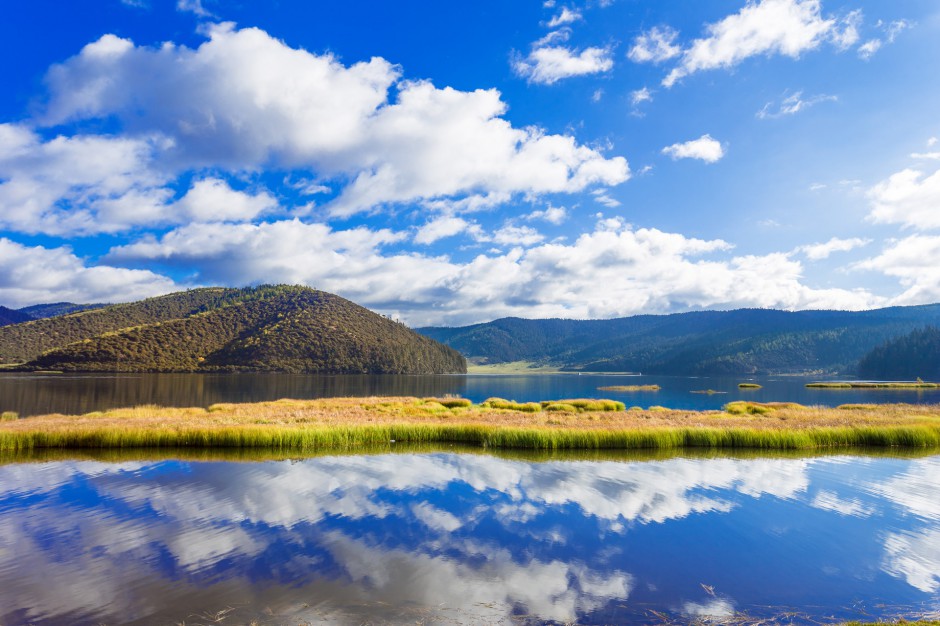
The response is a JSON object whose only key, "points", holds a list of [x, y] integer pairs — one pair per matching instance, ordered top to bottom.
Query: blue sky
{"points": [[449, 163]]}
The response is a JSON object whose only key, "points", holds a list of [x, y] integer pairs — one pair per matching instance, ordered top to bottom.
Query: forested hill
{"points": [[40, 311], [12, 316], [268, 328], [744, 341], [916, 355]]}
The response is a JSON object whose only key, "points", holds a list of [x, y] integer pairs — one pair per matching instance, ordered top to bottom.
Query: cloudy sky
{"points": [[449, 163]]}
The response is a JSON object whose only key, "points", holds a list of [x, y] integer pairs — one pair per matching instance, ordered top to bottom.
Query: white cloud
{"points": [[193, 6], [567, 16], [787, 27], [848, 36], [655, 46], [868, 49], [549, 64], [597, 95], [640, 96], [244, 100], [792, 104], [932, 142], [704, 148], [930, 156], [74, 185], [601, 197], [909, 197], [211, 200], [553, 215], [440, 228], [818, 251], [915, 261], [642, 270], [31, 275], [830, 501], [915, 557]]}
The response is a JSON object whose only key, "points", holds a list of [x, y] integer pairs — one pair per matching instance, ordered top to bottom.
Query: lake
{"points": [[33, 394], [436, 537]]}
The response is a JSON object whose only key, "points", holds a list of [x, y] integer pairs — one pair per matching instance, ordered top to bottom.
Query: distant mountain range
{"points": [[40, 311], [268, 328], [744, 341], [915, 355]]}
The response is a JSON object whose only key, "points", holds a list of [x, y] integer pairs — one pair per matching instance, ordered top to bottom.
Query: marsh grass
{"points": [[872, 385], [749, 386], [630, 388], [511, 405], [367, 423]]}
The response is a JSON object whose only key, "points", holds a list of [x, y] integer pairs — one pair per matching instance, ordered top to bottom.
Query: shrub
{"points": [[451, 403], [512, 405], [589, 405], [9, 416]]}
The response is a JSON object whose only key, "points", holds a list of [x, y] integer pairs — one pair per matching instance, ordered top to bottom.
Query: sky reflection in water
{"points": [[468, 538]]}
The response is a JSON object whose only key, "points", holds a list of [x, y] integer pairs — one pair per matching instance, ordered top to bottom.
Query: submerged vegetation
{"points": [[873, 385], [351, 423]]}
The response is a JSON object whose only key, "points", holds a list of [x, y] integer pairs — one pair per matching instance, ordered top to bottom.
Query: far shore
{"points": [[348, 423]]}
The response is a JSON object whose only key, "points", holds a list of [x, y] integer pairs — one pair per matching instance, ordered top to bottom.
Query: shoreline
{"points": [[350, 423]]}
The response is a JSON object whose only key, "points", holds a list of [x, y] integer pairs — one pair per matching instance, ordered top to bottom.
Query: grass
{"points": [[513, 367], [873, 385], [749, 386], [630, 388], [9, 416], [580, 424]]}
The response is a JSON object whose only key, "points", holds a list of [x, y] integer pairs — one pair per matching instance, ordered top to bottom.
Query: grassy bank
{"points": [[872, 385], [348, 423]]}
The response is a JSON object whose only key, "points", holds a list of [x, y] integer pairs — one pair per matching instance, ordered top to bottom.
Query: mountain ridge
{"points": [[268, 328], [740, 341]]}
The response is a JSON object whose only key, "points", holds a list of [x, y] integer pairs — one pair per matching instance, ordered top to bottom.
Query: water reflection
{"points": [[439, 537]]}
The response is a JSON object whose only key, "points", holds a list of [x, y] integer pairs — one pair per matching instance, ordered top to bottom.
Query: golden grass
{"points": [[346, 423]]}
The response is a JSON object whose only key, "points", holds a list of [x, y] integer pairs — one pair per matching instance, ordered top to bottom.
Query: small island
{"points": [[872, 385], [629, 388]]}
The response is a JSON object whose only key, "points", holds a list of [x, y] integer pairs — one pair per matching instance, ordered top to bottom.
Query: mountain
{"points": [[40, 311], [12, 316], [268, 328], [744, 341], [905, 358]]}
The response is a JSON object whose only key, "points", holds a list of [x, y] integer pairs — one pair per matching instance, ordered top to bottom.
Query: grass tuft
{"points": [[749, 386], [9, 416]]}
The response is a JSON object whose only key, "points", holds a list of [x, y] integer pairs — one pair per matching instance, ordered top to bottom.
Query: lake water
{"points": [[32, 394], [444, 538]]}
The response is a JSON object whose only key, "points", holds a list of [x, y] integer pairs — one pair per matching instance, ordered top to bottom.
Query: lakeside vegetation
{"points": [[861, 384], [749, 386], [629, 388], [351, 423]]}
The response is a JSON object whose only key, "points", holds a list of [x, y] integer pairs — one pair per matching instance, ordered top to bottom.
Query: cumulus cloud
{"points": [[567, 16], [787, 27], [655, 46], [549, 64], [640, 96], [244, 100], [792, 104], [705, 148], [909, 197], [553, 215], [440, 228], [819, 251], [915, 262], [643, 270], [31, 275]]}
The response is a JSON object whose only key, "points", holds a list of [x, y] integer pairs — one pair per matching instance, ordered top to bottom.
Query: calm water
{"points": [[31, 394], [468, 538]]}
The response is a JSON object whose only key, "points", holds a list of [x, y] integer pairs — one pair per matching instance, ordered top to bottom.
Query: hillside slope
{"points": [[54, 309], [12, 316], [279, 328], [745, 341], [905, 358]]}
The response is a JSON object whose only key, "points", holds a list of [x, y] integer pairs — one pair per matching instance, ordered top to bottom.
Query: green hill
{"points": [[40, 311], [12, 316], [269, 328], [745, 341], [916, 355]]}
